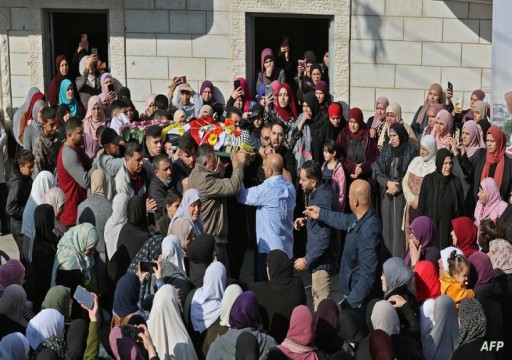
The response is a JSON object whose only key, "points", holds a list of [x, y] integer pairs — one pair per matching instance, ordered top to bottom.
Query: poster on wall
{"points": [[501, 113]]}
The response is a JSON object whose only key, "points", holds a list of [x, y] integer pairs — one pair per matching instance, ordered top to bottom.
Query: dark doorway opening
{"points": [[64, 29], [304, 33]]}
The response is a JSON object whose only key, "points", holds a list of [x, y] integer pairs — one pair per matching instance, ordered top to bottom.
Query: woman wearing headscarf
{"points": [[62, 66], [269, 71], [306, 81], [88, 83], [241, 94], [435, 95], [67, 96], [107, 96], [323, 96], [206, 97], [285, 108], [432, 112], [394, 115], [465, 115], [480, 116], [20, 117], [94, 118], [378, 120], [34, 127], [443, 129], [309, 132], [359, 148], [465, 155], [494, 163], [419, 167], [389, 171], [42, 183], [441, 197], [56, 198], [490, 205], [96, 210], [188, 210], [115, 223], [464, 235], [132, 237], [421, 242], [44, 250], [200, 255], [74, 261], [172, 265], [12, 272], [396, 279], [428, 288], [488, 293], [279, 295], [58, 298], [127, 300], [206, 302], [12, 308], [243, 318], [45, 325], [473, 325], [166, 326], [221, 326], [327, 326], [442, 339], [299, 341], [14, 346], [381, 346]]}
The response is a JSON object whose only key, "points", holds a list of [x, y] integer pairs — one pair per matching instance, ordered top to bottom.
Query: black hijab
{"points": [[320, 127], [403, 136], [441, 156], [137, 213], [44, 223], [200, 256], [280, 295], [327, 325], [247, 347]]}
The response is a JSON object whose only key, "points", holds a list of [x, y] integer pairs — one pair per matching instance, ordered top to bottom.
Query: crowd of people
{"points": [[133, 249]]}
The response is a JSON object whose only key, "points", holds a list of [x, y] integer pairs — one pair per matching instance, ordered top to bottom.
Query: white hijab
{"points": [[16, 122], [422, 166], [44, 181], [189, 197], [115, 222], [172, 251], [232, 292], [206, 303], [384, 317], [48, 323], [166, 327], [14, 346]]}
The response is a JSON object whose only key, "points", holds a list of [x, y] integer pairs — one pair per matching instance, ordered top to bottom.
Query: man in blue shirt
{"points": [[275, 201], [320, 255], [361, 266]]}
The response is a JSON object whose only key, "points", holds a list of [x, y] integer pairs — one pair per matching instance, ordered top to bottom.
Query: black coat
{"points": [[506, 183], [158, 191], [19, 192], [490, 296]]}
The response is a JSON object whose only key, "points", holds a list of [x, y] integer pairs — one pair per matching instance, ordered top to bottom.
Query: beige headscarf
{"points": [[206, 109], [397, 110], [178, 114], [98, 182], [181, 227]]}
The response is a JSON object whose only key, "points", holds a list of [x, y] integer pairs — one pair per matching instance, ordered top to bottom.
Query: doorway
{"points": [[305, 32], [62, 35]]}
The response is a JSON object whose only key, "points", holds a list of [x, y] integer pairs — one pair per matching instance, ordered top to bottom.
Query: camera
{"points": [[131, 331]]}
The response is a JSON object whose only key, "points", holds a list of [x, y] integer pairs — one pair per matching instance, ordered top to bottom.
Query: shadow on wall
{"points": [[373, 26], [475, 26]]}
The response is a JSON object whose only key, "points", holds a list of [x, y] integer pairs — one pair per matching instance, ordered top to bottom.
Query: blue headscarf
{"points": [[73, 106], [126, 295]]}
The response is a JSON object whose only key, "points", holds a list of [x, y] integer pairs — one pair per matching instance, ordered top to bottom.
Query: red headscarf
{"points": [[53, 89], [247, 94], [37, 96], [334, 110], [290, 112], [357, 115], [497, 156], [466, 232], [427, 281]]}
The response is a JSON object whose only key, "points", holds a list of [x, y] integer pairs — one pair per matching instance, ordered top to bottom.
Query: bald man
{"points": [[275, 201], [361, 265]]}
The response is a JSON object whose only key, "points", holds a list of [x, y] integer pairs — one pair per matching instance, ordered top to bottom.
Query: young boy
{"points": [[47, 145]]}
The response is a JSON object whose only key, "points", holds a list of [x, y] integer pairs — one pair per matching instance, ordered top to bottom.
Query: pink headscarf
{"points": [[264, 53], [104, 89], [246, 95], [480, 95], [149, 100], [435, 108], [376, 119], [91, 124], [476, 138], [442, 139], [494, 204], [11, 273], [299, 341]]}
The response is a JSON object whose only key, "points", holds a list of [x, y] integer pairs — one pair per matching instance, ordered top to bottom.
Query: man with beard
{"points": [[277, 143], [110, 160], [182, 167], [73, 170], [132, 178], [160, 183], [320, 258]]}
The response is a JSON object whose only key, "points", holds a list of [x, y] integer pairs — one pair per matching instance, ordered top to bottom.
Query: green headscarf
{"points": [[58, 298]]}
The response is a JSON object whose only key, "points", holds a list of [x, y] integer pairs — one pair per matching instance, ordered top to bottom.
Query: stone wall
{"points": [[399, 47]]}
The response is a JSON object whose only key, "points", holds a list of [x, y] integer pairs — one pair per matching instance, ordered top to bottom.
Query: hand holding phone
{"points": [[302, 63], [183, 79], [237, 84], [110, 87], [450, 87], [268, 91], [147, 266], [84, 297]]}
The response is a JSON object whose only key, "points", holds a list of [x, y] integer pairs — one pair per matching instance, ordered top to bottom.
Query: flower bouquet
{"points": [[137, 129]]}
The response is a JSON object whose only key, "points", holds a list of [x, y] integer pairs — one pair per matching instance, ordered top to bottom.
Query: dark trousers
{"points": [[4, 218], [18, 237], [222, 256], [260, 266]]}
